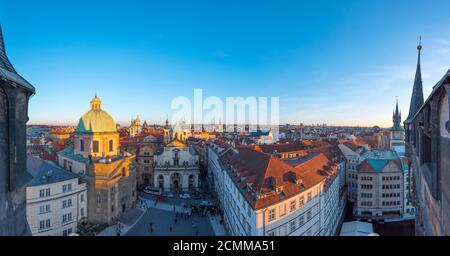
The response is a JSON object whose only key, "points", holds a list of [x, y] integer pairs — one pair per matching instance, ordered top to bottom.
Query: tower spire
{"points": [[4, 61], [417, 93], [396, 118]]}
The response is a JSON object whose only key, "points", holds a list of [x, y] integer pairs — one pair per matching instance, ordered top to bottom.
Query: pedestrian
{"points": [[174, 209], [175, 220], [170, 228], [151, 230]]}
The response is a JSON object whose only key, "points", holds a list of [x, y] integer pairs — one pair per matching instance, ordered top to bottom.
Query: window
{"points": [[81, 145], [111, 145], [95, 146], [69, 187], [64, 188], [47, 192], [41, 193], [309, 196], [82, 197], [301, 201], [293, 205], [41, 209], [282, 209], [82, 212], [271, 214], [308, 215], [67, 217], [301, 220], [47, 223], [41, 224], [292, 226], [271, 233]]}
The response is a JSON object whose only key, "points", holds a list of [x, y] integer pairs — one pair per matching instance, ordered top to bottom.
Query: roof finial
{"points": [[419, 47]]}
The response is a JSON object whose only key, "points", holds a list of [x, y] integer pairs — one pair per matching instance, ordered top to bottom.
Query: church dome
{"points": [[96, 120]]}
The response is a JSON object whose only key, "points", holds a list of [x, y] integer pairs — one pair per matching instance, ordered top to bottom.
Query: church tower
{"points": [[15, 92], [416, 99], [166, 131], [397, 133]]}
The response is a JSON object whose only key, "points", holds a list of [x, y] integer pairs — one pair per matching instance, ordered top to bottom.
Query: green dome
{"points": [[96, 120]]}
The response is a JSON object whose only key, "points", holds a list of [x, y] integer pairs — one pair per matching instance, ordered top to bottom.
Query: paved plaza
{"points": [[163, 220]]}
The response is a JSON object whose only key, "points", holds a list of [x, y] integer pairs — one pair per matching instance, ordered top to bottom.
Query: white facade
{"points": [[176, 168], [351, 173], [332, 207], [54, 209]]}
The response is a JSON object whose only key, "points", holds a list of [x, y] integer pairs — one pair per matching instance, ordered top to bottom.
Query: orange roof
{"points": [[258, 173]]}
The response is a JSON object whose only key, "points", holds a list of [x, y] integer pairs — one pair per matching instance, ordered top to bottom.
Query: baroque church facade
{"points": [[15, 93], [97, 157], [176, 165]]}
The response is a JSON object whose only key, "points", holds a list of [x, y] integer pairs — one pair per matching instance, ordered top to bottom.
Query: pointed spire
{"points": [[2, 43], [4, 61], [417, 93], [396, 118], [167, 122]]}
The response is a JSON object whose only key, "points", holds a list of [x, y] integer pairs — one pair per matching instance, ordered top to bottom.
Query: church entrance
{"points": [[161, 181], [176, 181], [191, 181]]}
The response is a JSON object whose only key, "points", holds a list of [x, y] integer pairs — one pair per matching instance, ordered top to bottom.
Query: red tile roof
{"points": [[259, 175]]}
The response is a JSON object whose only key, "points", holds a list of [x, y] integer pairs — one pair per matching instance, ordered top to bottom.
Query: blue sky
{"points": [[334, 62]]}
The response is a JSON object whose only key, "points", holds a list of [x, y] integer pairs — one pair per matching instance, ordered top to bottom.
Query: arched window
{"points": [[81, 145], [111, 145]]}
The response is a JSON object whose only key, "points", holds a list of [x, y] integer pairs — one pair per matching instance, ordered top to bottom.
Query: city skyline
{"points": [[137, 64]]}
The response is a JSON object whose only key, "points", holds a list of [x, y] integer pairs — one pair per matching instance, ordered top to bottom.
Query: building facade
{"points": [[15, 93], [144, 161], [176, 167], [381, 191], [262, 195], [56, 199]]}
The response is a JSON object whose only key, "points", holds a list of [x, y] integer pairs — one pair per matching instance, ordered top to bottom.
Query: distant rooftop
{"points": [[381, 154]]}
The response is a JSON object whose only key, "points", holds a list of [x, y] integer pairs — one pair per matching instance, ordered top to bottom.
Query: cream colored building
{"points": [[96, 154], [381, 192], [56, 199]]}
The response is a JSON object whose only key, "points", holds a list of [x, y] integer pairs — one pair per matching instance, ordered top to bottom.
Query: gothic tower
{"points": [[15, 92], [416, 100], [397, 133]]}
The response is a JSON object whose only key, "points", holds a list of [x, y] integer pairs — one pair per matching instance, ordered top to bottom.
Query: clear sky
{"points": [[334, 62]]}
